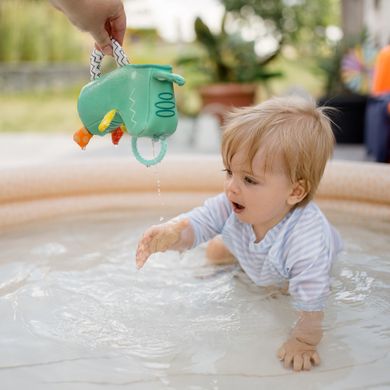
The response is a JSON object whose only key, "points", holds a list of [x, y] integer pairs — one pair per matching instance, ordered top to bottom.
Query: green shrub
{"points": [[34, 31]]}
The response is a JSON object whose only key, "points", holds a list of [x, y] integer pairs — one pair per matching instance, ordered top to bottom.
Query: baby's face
{"points": [[261, 198]]}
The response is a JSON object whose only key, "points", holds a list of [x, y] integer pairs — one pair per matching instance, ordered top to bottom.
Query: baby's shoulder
{"points": [[311, 212], [306, 224], [306, 239]]}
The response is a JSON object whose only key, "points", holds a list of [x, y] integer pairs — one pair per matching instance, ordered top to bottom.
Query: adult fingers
{"points": [[118, 26], [102, 39]]}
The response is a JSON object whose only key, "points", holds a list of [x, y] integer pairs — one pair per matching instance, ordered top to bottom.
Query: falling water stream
{"points": [[158, 181]]}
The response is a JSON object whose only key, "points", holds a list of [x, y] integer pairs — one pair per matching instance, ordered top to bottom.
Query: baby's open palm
{"points": [[159, 238]]}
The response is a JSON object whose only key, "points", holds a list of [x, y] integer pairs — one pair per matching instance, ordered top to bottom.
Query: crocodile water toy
{"points": [[138, 99]]}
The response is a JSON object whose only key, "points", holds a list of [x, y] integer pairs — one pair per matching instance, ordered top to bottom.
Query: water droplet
{"points": [[158, 181]]}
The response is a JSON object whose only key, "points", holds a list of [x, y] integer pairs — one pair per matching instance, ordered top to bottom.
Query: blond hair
{"points": [[291, 127]]}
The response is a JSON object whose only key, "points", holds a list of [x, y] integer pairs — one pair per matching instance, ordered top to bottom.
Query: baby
{"points": [[274, 156]]}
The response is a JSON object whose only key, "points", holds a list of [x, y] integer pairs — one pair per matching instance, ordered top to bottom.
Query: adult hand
{"points": [[103, 19], [160, 238]]}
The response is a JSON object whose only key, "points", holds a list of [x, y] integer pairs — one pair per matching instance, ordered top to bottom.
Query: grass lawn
{"points": [[39, 112]]}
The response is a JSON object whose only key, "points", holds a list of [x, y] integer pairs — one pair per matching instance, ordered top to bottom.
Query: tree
{"points": [[301, 23]]}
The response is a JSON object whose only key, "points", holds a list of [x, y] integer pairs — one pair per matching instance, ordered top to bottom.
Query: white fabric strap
{"points": [[119, 54], [97, 57], [95, 64]]}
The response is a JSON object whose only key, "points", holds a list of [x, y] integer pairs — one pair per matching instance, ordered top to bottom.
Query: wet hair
{"points": [[291, 128]]}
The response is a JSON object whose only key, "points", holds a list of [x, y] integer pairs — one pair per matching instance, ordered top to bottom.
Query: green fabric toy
{"points": [[138, 99]]}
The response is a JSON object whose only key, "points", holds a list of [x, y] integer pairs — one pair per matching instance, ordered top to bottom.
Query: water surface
{"points": [[76, 314]]}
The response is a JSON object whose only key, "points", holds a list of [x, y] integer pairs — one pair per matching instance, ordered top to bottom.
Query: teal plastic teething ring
{"points": [[154, 161]]}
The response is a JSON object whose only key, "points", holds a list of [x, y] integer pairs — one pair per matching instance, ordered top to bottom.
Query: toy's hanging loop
{"points": [[97, 57], [154, 161]]}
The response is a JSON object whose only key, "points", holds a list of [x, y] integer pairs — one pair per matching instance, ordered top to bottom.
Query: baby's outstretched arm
{"points": [[174, 235], [300, 349]]}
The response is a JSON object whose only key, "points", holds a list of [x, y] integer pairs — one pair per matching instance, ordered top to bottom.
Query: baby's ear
{"points": [[299, 191]]}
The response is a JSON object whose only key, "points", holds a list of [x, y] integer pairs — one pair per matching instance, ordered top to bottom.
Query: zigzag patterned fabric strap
{"points": [[119, 55], [97, 57], [95, 63]]}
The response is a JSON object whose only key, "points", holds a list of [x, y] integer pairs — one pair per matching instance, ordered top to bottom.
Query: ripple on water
{"points": [[76, 284]]}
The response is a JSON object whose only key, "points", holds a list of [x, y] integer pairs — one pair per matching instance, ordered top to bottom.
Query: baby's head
{"points": [[291, 130]]}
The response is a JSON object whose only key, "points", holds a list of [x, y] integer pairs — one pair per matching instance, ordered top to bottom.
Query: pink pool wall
{"points": [[45, 191]]}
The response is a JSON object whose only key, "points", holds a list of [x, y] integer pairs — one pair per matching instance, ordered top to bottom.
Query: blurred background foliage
{"points": [[301, 23], [33, 31], [262, 42]]}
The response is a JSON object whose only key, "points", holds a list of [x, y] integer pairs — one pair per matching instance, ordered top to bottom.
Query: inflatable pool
{"points": [[76, 314]]}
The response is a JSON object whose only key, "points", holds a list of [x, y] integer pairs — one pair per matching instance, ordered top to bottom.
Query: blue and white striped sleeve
{"points": [[208, 220], [308, 265]]}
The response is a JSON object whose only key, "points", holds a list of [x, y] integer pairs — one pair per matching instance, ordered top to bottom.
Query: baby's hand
{"points": [[159, 238], [298, 353]]}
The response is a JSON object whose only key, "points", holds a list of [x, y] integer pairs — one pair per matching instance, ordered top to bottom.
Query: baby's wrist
{"points": [[308, 328], [308, 336], [312, 342]]}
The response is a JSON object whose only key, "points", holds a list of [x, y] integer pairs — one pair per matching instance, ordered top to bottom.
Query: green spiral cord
{"points": [[154, 161]]}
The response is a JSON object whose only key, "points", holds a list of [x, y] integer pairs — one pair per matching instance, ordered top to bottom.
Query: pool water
{"points": [[76, 314]]}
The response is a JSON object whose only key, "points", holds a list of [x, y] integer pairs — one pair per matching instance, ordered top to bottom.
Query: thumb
{"points": [[103, 41]]}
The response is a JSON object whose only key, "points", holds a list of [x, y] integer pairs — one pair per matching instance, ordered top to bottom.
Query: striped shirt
{"points": [[298, 250]]}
